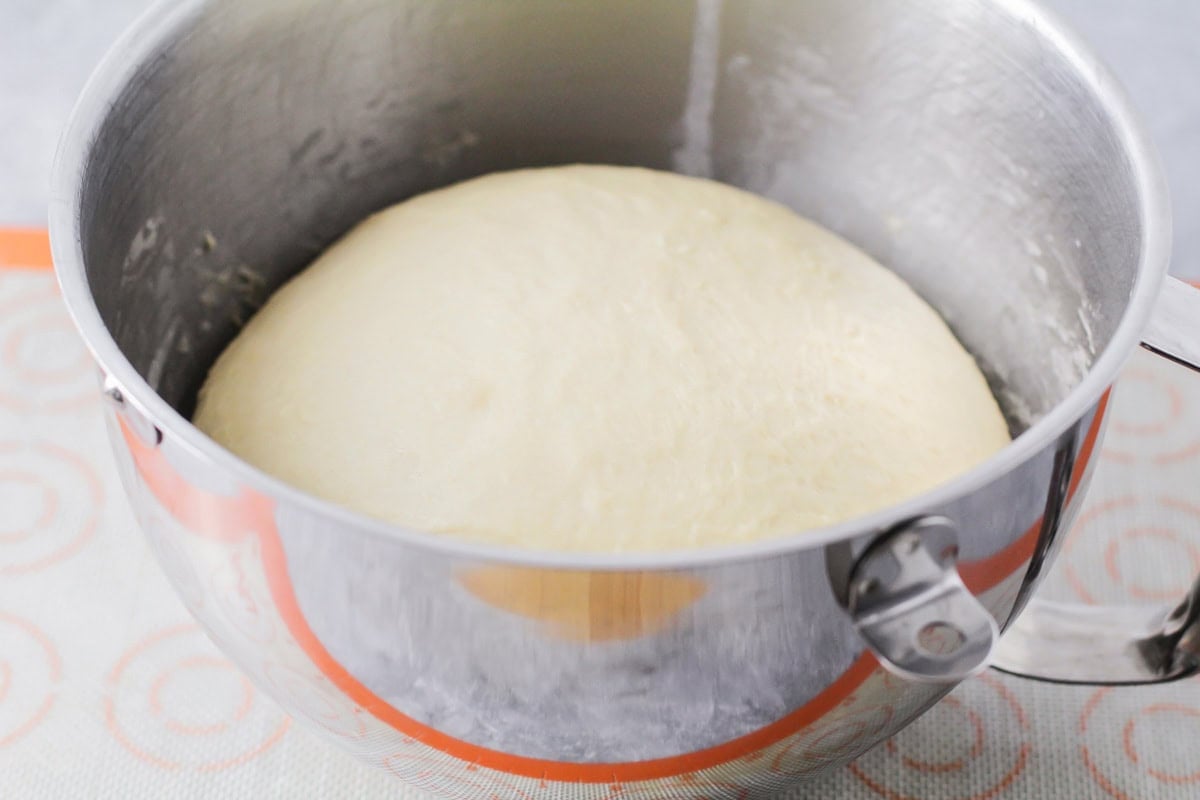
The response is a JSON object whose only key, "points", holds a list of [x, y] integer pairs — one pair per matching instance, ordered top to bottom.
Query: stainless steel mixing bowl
{"points": [[974, 146]]}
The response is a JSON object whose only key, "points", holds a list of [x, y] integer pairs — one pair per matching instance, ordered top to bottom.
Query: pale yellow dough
{"points": [[600, 359]]}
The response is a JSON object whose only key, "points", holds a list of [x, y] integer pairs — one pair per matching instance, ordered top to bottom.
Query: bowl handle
{"points": [[909, 604], [1114, 645]]}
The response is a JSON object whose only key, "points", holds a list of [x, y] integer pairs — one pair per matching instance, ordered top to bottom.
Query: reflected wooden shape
{"points": [[583, 606]]}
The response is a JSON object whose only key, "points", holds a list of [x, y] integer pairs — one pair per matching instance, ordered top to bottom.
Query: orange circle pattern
{"points": [[44, 366], [1166, 437], [72, 497], [1104, 556], [30, 671], [1154, 710], [142, 717], [1099, 736], [985, 779]]}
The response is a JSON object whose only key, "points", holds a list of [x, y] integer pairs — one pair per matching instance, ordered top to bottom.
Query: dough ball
{"points": [[607, 359]]}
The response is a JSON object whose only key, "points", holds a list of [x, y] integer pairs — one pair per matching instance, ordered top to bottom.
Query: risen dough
{"points": [[600, 359]]}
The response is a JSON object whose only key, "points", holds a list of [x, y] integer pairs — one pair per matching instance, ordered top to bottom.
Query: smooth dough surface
{"points": [[600, 359]]}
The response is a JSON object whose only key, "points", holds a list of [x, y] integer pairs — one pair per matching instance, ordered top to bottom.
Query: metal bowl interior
{"points": [[974, 147]]}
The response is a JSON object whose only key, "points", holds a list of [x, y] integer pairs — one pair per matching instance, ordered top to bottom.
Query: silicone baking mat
{"points": [[108, 690]]}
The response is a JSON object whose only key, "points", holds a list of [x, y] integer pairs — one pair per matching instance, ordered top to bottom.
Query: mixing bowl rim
{"points": [[162, 21]]}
